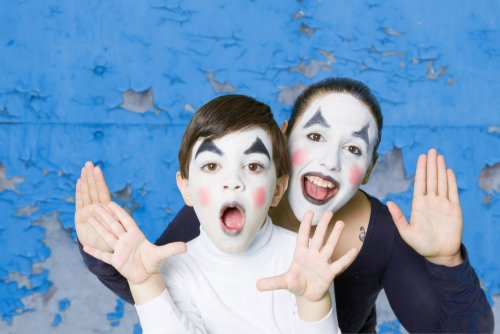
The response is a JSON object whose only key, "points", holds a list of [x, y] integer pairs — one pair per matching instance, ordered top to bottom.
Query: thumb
{"points": [[398, 217], [171, 249], [272, 283]]}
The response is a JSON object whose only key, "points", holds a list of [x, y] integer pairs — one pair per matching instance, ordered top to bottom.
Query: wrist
{"points": [[447, 261], [147, 290], [313, 310]]}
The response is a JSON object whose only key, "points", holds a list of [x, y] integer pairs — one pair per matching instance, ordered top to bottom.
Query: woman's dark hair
{"points": [[338, 85], [231, 113]]}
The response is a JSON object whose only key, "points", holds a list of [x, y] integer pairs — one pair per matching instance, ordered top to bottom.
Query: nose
{"points": [[331, 160], [233, 183]]}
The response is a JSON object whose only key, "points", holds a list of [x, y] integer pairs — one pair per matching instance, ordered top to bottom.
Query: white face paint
{"points": [[331, 147], [231, 184]]}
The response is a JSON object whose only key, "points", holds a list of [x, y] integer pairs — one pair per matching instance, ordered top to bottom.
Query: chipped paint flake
{"points": [[217, 86], [288, 94], [139, 102], [388, 176], [6, 183]]}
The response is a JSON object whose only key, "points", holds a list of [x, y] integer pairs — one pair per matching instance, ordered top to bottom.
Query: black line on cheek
{"points": [[208, 145], [258, 147]]}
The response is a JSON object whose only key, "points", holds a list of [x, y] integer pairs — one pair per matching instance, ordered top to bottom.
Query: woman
{"points": [[333, 134]]}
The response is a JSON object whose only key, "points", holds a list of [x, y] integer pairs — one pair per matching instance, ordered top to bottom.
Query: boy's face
{"points": [[331, 148], [232, 181]]}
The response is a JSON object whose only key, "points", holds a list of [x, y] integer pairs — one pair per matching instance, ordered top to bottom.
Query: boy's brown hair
{"points": [[227, 114]]}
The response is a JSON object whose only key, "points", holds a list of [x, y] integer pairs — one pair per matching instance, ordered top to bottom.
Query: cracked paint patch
{"points": [[306, 30], [314, 66], [224, 87], [289, 94], [139, 102], [388, 176], [489, 181], [6, 183], [125, 195]]}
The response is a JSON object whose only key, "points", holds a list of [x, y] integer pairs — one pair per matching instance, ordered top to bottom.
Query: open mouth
{"points": [[318, 189], [232, 218]]}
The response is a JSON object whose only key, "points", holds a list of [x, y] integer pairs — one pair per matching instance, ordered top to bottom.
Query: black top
{"points": [[425, 297]]}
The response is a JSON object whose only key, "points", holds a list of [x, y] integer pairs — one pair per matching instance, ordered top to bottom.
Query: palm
{"points": [[91, 191], [435, 227], [86, 233], [131, 253], [135, 257], [311, 273], [309, 276]]}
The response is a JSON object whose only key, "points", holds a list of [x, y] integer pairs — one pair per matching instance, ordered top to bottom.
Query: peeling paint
{"points": [[307, 30], [311, 69], [431, 72], [217, 86], [288, 95], [139, 102], [388, 176], [489, 178], [6, 183]]}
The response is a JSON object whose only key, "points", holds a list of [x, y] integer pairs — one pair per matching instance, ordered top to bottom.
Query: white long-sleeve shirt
{"points": [[209, 291]]}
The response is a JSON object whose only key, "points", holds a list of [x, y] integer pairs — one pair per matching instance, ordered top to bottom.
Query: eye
{"points": [[315, 137], [354, 150], [210, 167], [254, 167]]}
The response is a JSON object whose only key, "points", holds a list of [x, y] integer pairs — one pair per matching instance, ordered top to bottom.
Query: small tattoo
{"points": [[362, 235]]}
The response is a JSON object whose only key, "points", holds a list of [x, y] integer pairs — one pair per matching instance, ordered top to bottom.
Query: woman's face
{"points": [[331, 148]]}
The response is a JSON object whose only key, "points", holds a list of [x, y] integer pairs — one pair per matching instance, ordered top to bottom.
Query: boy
{"points": [[233, 167]]}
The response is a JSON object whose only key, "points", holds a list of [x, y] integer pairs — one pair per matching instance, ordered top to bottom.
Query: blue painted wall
{"points": [[116, 82]]}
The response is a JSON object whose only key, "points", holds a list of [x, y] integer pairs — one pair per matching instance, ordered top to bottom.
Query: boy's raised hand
{"points": [[91, 190], [435, 227], [131, 253], [312, 272]]}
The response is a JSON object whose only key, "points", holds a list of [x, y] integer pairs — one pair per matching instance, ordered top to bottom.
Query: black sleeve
{"points": [[184, 227], [432, 298]]}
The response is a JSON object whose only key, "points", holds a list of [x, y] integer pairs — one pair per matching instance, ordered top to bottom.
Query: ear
{"points": [[284, 127], [369, 171], [183, 185], [281, 187]]}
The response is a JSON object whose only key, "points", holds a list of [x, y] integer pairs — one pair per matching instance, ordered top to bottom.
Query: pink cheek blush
{"points": [[299, 156], [355, 177], [204, 196], [259, 197]]}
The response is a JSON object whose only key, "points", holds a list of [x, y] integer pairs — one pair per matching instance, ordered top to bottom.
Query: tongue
{"points": [[316, 192], [232, 218]]}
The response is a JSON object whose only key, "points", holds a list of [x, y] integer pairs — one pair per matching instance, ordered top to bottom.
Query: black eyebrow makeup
{"points": [[208, 145]]}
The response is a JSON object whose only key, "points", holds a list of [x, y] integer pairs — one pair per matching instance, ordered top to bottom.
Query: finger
{"points": [[89, 170], [432, 172], [420, 175], [442, 177], [452, 186], [102, 187], [85, 188], [78, 195], [398, 217], [109, 219], [127, 221], [304, 230], [103, 232], [319, 233], [333, 239], [171, 249], [98, 254], [345, 261], [272, 283]]}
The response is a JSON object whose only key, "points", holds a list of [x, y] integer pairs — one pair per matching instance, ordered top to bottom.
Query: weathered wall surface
{"points": [[116, 82]]}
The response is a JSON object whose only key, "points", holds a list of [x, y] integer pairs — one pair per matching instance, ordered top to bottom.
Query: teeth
{"points": [[320, 182]]}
